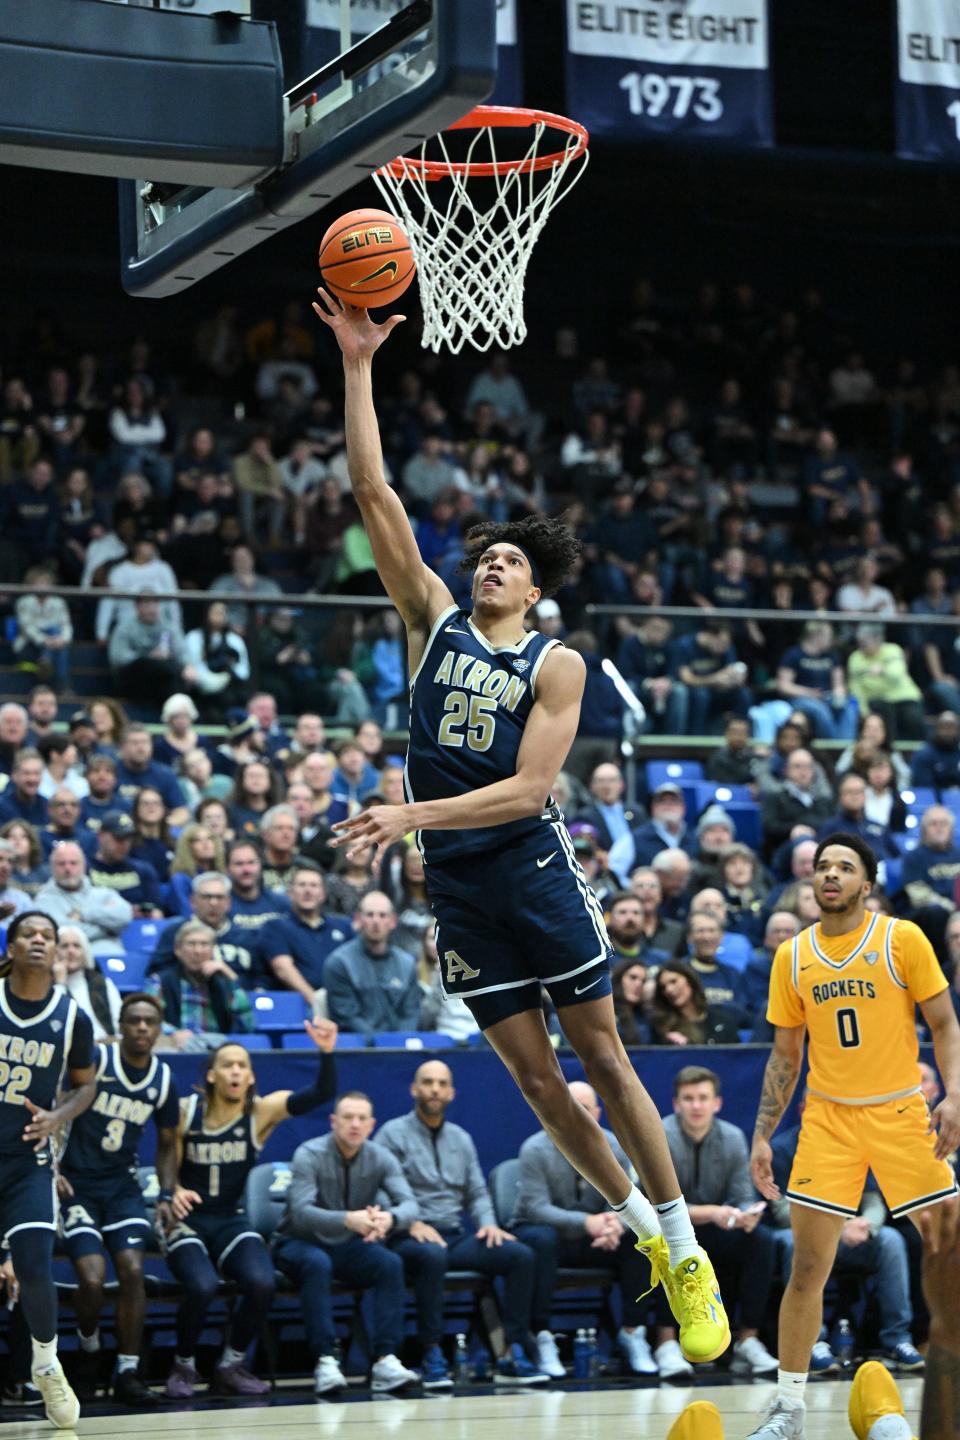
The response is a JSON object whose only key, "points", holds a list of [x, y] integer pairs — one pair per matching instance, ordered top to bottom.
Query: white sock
{"points": [[637, 1212], [677, 1230], [89, 1344], [44, 1354], [232, 1357], [185, 1360], [127, 1362], [791, 1386], [891, 1427]]}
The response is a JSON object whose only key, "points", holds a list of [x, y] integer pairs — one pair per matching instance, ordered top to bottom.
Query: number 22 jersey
{"points": [[469, 705], [857, 994]]}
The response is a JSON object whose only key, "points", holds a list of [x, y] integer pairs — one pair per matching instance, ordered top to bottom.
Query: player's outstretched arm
{"points": [[415, 590], [779, 1082]]}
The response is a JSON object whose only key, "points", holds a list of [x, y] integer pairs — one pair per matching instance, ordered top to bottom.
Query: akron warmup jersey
{"points": [[469, 703], [856, 993], [39, 1041], [106, 1137], [216, 1163]]}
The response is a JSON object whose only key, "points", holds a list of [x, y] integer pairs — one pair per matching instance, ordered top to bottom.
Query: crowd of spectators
{"points": [[720, 450]]}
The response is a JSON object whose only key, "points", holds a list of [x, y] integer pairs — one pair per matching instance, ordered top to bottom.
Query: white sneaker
{"points": [[638, 1354], [548, 1357], [751, 1357], [671, 1361], [389, 1374], [327, 1376], [59, 1402], [782, 1422]]}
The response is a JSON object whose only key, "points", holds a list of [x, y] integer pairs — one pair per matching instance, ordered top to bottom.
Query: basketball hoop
{"points": [[472, 235]]}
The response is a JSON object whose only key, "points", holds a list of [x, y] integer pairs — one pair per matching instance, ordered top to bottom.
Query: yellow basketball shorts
{"points": [[840, 1143]]}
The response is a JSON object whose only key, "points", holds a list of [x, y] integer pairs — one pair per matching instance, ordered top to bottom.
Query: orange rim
{"points": [[496, 117]]}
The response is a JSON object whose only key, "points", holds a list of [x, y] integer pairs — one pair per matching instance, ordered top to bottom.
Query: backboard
{"points": [[380, 75]]}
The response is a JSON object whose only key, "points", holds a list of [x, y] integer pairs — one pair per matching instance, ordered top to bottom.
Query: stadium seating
{"points": [[142, 935], [127, 970], [278, 1010], [297, 1040], [413, 1040]]}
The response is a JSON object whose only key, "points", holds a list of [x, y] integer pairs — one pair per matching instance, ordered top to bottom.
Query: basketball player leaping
{"points": [[493, 712], [850, 985]]}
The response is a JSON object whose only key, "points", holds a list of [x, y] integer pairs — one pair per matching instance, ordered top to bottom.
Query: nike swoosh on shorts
{"points": [[541, 863], [579, 989]]}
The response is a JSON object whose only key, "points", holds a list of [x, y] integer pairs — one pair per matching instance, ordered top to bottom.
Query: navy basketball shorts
{"points": [[512, 920], [28, 1195], [104, 1213], [218, 1234]]}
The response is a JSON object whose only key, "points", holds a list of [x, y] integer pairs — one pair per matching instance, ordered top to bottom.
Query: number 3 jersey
{"points": [[469, 705], [857, 993], [40, 1040], [106, 1138]]}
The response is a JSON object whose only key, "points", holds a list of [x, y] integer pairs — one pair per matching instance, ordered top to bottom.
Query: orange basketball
{"points": [[365, 258]]}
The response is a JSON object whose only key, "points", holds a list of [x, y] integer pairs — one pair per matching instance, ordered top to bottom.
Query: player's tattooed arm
{"points": [[779, 1083]]}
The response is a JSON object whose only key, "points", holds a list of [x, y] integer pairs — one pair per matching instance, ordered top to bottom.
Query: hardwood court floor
{"points": [[582, 1414]]}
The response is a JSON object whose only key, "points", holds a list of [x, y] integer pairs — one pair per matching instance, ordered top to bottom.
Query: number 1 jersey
{"points": [[469, 705]]}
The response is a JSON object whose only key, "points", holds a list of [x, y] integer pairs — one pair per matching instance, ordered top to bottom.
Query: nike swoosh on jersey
{"points": [[452, 630], [541, 863], [579, 989]]}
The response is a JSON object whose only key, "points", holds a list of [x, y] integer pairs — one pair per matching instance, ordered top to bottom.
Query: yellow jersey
{"points": [[856, 993]]}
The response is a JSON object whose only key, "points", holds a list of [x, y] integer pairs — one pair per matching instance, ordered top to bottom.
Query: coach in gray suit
{"points": [[566, 1222]]}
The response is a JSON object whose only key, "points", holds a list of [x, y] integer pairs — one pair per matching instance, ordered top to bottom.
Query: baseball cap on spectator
{"points": [[548, 610], [79, 719], [240, 729], [667, 788], [714, 815], [118, 823], [584, 837]]}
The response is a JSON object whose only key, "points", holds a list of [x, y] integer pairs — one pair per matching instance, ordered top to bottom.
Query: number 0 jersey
{"points": [[469, 705], [856, 993], [106, 1137]]}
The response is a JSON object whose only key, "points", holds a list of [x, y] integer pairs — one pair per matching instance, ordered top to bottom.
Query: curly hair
{"points": [[551, 544]]}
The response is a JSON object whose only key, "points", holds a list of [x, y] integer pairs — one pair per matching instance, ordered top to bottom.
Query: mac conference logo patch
{"points": [[520, 665]]}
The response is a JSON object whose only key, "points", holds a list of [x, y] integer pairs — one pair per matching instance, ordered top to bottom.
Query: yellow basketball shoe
{"points": [[694, 1298], [873, 1395], [700, 1421]]}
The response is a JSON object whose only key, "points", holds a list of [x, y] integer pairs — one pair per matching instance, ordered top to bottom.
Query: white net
{"points": [[472, 231]]}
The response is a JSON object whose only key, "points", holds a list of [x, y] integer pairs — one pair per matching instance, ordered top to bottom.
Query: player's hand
{"points": [[355, 332], [375, 828], [323, 1033], [946, 1121], [44, 1124], [761, 1168], [65, 1190], [183, 1202], [165, 1218], [425, 1234], [494, 1236]]}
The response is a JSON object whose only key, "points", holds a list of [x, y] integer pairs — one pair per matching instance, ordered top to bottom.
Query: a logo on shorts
{"points": [[519, 664], [541, 863], [872, 956], [457, 968], [579, 989]]}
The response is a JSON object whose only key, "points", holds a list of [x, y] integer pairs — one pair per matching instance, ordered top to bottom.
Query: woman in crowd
{"points": [[79, 524], [219, 657], [110, 722], [179, 737], [872, 739], [61, 766], [195, 772], [255, 789], [883, 803], [213, 813], [154, 843], [197, 850], [29, 870], [350, 881], [744, 886], [410, 899], [77, 971], [631, 986], [679, 1013], [211, 1234]]}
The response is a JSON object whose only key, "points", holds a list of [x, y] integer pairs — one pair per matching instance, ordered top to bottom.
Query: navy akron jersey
{"points": [[469, 704], [34, 1054], [106, 1137], [216, 1163]]}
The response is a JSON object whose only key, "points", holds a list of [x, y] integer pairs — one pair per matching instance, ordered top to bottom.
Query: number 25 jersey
{"points": [[469, 705], [857, 993]]}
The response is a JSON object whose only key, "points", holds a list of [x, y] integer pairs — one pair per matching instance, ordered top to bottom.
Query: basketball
{"points": [[365, 258]]}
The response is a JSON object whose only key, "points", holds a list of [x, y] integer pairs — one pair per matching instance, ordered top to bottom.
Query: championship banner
{"points": [[325, 40], [688, 69], [928, 79]]}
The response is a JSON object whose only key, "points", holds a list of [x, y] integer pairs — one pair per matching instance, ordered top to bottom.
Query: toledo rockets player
{"points": [[494, 709], [849, 985]]}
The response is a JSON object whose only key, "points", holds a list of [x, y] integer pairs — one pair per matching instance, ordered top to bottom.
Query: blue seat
{"points": [[678, 772], [712, 792], [918, 798], [909, 839], [892, 876], [142, 935], [127, 969], [278, 1010], [346, 1040], [413, 1040], [249, 1042]]}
